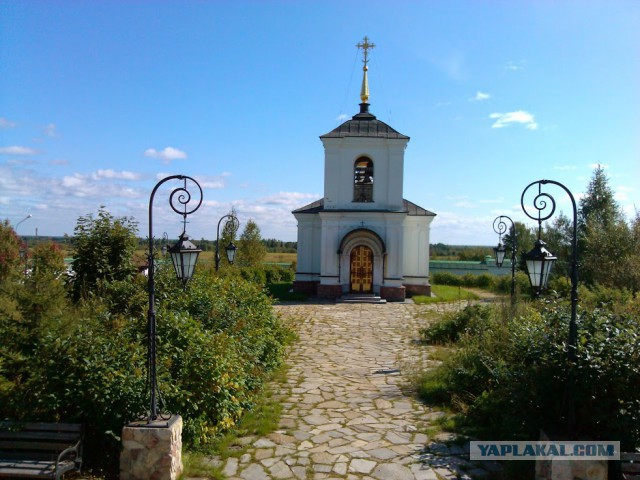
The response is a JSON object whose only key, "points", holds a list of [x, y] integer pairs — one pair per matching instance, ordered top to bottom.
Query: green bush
{"points": [[279, 274], [255, 275], [446, 278], [502, 284], [454, 324], [218, 339], [92, 374], [510, 374]]}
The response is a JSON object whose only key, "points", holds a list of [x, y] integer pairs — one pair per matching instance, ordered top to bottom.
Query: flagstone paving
{"points": [[346, 411]]}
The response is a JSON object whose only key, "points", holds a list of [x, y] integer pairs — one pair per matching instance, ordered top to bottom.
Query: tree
{"points": [[598, 204], [559, 235], [525, 238], [605, 241], [251, 250], [9, 251], [103, 251], [47, 259], [42, 297]]}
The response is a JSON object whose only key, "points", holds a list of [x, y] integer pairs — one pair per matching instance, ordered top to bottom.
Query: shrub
{"points": [[255, 275], [446, 278], [502, 284], [454, 324], [216, 344], [510, 374], [93, 375]]}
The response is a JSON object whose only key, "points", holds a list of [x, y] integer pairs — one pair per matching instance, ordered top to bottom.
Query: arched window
{"points": [[363, 180]]}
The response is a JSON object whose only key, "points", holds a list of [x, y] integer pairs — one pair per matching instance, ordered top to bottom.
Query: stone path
{"points": [[345, 415]]}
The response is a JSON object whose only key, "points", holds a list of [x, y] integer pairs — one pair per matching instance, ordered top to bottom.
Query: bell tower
{"points": [[363, 236]]}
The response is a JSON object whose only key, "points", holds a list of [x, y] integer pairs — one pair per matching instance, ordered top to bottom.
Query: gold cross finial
{"points": [[365, 46]]}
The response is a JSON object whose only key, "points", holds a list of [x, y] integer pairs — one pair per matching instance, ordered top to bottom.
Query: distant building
{"points": [[363, 236]]}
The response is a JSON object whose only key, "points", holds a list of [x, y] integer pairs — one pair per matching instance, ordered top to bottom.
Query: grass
{"points": [[281, 257], [446, 293], [263, 419]]}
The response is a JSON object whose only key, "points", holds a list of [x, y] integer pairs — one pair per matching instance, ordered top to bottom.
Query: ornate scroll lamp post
{"points": [[500, 227], [231, 248], [184, 256], [539, 262]]}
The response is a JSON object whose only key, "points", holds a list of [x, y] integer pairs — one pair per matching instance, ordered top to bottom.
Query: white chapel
{"points": [[363, 236]]}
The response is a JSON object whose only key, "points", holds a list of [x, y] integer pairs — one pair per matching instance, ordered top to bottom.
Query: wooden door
{"points": [[361, 269]]}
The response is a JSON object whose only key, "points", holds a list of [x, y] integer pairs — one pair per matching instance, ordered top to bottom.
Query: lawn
{"points": [[445, 293]]}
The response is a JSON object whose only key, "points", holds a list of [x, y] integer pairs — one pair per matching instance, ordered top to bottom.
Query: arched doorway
{"points": [[361, 269]]}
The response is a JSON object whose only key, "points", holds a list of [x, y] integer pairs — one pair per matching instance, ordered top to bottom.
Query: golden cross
{"points": [[365, 46]]}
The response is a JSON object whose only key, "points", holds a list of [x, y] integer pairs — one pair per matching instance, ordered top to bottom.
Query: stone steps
{"points": [[361, 298]]}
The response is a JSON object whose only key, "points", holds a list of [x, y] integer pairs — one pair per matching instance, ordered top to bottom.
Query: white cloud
{"points": [[515, 66], [480, 96], [342, 117], [505, 119], [6, 123], [50, 130], [17, 150], [167, 155], [59, 162], [564, 167], [112, 174], [214, 182], [621, 196], [456, 197], [289, 199], [493, 200], [464, 204]]}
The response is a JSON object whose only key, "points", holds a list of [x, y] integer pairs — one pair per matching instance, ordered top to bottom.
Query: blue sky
{"points": [[99, 100]]}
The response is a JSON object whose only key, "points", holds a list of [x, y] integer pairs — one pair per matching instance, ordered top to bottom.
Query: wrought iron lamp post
{"points": [[500, 227], [231, 248], [184, 256], [539, 262]]}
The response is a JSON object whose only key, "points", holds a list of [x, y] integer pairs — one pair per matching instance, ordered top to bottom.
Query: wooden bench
{"points": [[39, 450], [630, 466]]}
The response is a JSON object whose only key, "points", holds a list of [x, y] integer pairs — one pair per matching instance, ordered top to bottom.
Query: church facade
{"points": [[363, 236]]}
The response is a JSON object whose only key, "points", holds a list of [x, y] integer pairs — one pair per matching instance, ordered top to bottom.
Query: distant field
{"points": [[281, 257]]}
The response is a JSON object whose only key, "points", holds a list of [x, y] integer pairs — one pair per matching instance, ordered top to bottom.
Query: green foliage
{"points": [[598, 205], [608, 245], [278, 246], [251, 250], [9, 251], [103, 251], [477, 254], [277, 273], [255, 275], [446, 278], [495, 283], [502, 284], [44, 287], [283, 291], [445, 293], [454, 324], [218, 340], [226, 341], [510, 373]]}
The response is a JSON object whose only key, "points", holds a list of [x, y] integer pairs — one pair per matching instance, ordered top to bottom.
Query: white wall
{"points": [[388, 165]]}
